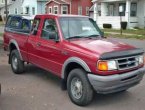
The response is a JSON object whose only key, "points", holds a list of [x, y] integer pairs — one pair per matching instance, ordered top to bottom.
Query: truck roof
{"points": [[60, 15]]}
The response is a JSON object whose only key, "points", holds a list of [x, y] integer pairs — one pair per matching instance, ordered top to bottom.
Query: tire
{"points": [[17, 64], [85, 95]]}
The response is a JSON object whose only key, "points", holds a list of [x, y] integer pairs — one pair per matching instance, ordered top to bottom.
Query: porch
{"points": [[107, 11]]}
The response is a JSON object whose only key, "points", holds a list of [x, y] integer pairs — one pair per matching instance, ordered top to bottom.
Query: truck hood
{"points": [[100, 46]]}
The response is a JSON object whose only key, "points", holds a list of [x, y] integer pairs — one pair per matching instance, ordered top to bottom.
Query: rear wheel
{"points": [[17, 64], [79, 88]]}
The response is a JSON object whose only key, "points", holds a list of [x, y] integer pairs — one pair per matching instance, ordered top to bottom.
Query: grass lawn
{"points": [[1, 23], [129, 31], [1, 34]]}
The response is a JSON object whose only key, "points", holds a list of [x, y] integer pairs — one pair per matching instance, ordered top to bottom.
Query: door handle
{"points": [[38, 44]]}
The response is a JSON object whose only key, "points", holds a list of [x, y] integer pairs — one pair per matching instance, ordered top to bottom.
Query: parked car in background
{"points": [[73, 48]]}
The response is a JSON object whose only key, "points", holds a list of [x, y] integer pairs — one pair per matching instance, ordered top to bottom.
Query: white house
{"points": [[41, 6], [19, 7], [29, 7], [107, 11]]}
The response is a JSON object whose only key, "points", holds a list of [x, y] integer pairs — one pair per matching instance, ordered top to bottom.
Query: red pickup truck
{"points": [[73, 48]]}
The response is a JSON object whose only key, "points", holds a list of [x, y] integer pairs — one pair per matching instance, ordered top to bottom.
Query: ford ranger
{"points": [[73, 48]]}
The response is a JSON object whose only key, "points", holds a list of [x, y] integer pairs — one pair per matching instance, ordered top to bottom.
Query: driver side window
{"points": [[49, 29]]}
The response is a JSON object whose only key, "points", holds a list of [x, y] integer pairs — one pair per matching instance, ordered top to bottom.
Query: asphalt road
{"points": [[37, 89]]}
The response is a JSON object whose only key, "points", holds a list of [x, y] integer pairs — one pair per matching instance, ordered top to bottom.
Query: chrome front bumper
{"points": [[117, 82]]}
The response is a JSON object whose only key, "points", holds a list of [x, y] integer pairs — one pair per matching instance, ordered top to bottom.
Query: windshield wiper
{"points": [[92, 36], [75, 37]]}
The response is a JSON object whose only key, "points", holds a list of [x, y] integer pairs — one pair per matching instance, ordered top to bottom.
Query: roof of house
{"points": [[58, 2]]}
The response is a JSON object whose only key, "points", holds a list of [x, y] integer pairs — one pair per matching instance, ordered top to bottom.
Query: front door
{"points": [[48, 50]]}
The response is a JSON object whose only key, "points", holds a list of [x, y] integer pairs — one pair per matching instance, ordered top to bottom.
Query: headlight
{"points": [[141, 59], [107, 65]]}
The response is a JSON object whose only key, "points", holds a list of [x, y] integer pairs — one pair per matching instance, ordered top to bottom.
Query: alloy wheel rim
{"points": [[14, 62], [76, 88]]}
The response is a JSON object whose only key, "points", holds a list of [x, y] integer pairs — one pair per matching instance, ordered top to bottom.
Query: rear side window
{"points": [[15, 22], [26, 24]]}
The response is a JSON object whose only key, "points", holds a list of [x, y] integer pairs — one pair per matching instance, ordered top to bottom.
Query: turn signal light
{"points": [[102, 66]]}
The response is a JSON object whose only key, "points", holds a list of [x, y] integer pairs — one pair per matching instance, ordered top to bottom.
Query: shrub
{"points": [[124, 25], [107, 26]]}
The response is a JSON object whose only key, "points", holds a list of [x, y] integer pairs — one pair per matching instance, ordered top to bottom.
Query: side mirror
{"points": [[34, 32], [54, 36]]}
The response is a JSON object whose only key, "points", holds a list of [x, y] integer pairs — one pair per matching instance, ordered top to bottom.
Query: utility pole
{"points": [[6, 8]]}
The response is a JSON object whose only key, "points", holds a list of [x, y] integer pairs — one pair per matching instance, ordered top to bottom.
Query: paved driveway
{"points": [[134, 42], [37, 89]]}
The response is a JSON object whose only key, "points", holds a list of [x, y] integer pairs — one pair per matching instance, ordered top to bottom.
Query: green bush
{"points": [[124, 25], [107, 26]]}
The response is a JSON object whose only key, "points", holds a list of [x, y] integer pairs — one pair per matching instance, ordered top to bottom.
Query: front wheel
{"points": [[17, 64], [79, 88]]}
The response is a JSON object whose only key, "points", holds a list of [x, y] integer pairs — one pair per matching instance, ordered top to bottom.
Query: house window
{"points": [[55, 9], [99, 9], [124, 9], [133, 9], [27, 10], [33, 10], [50, 10], [64, 10], [80, 10], [87, 10], [111, 10], [16, 11], [15, 23]]}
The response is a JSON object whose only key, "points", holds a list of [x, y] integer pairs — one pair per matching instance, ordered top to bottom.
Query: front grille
{"points": [[127, 62]]}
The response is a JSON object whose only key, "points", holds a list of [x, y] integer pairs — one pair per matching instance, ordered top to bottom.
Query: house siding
{"points": [[83, 3], [17, 4], [30, 4], [52, 4], [73, 6], [41, 7], [11, 8], [133, 21]]}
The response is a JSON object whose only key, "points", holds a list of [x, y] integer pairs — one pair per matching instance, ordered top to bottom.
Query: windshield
{"points": [[79, 27]]}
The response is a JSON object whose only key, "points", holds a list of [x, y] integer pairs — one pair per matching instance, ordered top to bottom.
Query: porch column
{"points": [[104, 9], [95, 11], [127, 13]]}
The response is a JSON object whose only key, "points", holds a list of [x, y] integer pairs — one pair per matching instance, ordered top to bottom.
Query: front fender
{"points": [[74, 60]]}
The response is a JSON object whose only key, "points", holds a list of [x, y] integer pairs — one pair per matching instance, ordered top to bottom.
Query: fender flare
{"points": [[17, 47], [74, 60]]}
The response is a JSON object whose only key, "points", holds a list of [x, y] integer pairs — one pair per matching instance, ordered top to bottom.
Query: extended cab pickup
{"points": [[73, 48]]}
